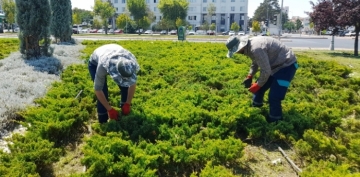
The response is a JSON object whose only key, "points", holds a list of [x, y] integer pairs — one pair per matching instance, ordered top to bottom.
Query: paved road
{"points": [[291, 40], [323, 42]]}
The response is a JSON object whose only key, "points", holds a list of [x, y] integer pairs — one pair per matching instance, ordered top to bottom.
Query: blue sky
{"points": [[296, 7]]}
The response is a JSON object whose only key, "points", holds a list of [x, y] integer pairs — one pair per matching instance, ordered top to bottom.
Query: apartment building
{"points": [[227, 12]]}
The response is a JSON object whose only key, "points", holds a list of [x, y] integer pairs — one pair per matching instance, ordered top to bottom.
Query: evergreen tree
{"points": [[33, 18], [61, 24]]}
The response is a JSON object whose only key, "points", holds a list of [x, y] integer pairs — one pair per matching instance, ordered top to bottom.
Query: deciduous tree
{"points": [[8, 7], [173, 9], [267, 9], [105, 10], [348, 13], [336, 14], [34, 18], [61, 23], [256, 26]]}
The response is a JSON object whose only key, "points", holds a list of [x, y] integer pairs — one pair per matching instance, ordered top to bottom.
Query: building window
{"points": [[223, 0], [232, 0], [116, 1], [123, 1], [147, 1], [154, 1], [204, 1], [214, 1], [232, 8], [241, 8], [123, 9], [155, 9], [204, 9], [223, 9], [117, 10], [160, 17], [222, 19]]}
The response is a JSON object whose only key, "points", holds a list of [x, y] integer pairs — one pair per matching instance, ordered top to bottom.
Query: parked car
{"points": [[85, 30], [93, 30], [101, 31], [111, 31], [118, 31], [137, 31], [148, 32], [163, 32], [173, 32], [191, 32], [200, 32], [210, 32], [225, 32], [231, 33], [241, 33], [350, 33]]}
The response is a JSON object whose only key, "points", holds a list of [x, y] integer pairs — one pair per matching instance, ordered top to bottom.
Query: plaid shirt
{"points": [[268, 54]]}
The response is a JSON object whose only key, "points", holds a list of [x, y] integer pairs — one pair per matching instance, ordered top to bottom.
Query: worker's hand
{"points": [[247, 81], [254, 88], [125, 109], [113, 114]]}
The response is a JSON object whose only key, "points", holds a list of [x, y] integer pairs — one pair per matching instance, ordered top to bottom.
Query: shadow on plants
{"points": [[343, 54], [50, 65]]}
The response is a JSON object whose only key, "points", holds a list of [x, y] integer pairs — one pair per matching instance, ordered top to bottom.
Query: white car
{"points": [[148, 32], [191, 32], [231, 33], [241, 33], [350, 33]]}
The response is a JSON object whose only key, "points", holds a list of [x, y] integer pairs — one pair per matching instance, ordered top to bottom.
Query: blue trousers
{"points": [[278, 84], [101, 110]]}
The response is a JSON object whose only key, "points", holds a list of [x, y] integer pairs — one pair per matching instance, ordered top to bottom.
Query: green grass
{"points": [[7, 46], [345, 58]]}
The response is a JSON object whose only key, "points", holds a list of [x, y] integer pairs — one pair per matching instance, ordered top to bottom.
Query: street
{"points": [[291, 40], [318, 42]]}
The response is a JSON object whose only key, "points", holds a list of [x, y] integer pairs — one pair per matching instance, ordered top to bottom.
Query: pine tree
{"points": [[33, 18], [61, 20]]}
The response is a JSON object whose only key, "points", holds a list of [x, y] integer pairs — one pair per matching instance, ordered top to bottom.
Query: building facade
{"points": [[226, 13]]}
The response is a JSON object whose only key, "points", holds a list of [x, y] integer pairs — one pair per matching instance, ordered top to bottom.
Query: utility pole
{"points": [[267, 15], [280, 20]]}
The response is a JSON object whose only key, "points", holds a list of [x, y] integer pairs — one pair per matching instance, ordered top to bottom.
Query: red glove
{"points": [[254, 88], [125, 109], [113, 114]]}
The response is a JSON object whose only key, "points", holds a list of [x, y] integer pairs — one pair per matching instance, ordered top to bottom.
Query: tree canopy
{"points": [[8, 7], [173, 9], [266, 9], [105, 10], [336, 14], [142, 15], [61, 24]]}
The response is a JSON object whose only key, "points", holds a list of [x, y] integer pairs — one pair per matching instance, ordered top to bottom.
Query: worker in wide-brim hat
{"points": [[277, 65], [122, 66]]}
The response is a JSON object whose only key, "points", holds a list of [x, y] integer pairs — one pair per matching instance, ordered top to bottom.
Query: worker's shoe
{"points": [[255, 104]]}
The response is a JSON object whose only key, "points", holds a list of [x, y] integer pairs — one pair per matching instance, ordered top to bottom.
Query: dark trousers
{"points": [[278, 85], [101, 110]]}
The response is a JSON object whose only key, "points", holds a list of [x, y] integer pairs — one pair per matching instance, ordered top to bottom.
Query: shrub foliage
{"points": [[190, 115]]}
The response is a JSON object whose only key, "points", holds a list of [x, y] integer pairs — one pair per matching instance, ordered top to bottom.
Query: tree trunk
{"points": [[32, 46], [356, 51]]}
